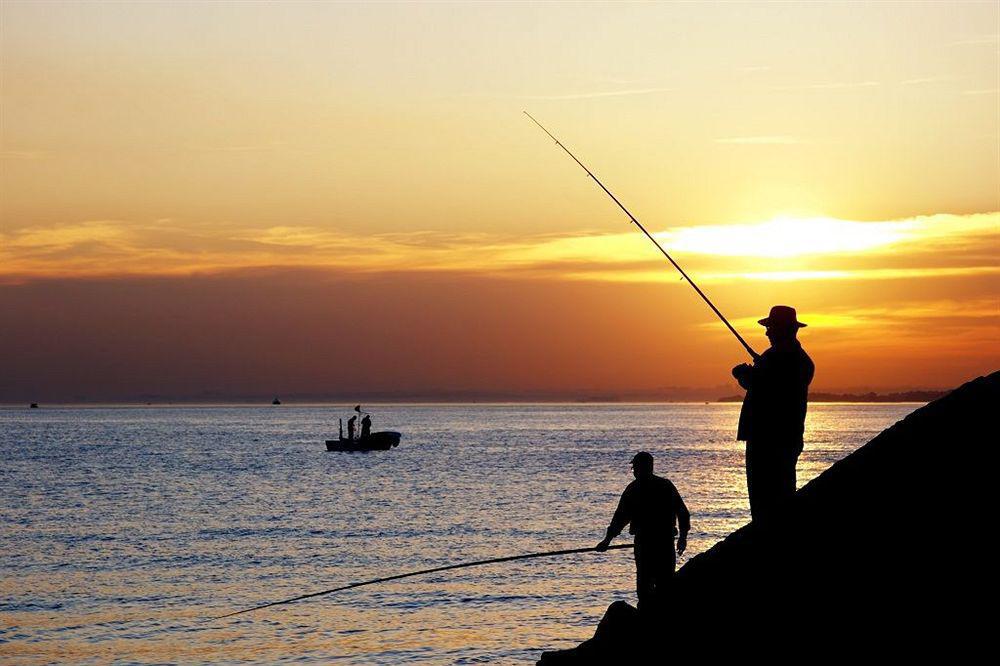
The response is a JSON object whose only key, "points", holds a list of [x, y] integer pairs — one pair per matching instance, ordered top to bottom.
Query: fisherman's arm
{"points": [[808, 370], [618, 521], [683, 523]]}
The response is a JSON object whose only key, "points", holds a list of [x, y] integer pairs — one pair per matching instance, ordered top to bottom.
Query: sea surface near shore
{"points": [[122, 529]]}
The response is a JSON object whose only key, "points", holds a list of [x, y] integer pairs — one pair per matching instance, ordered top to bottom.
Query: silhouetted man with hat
{"points": [[772, 420], [651, 507]]}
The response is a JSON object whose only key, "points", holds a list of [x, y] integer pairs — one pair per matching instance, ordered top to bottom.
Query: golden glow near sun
{"points": [[789, 237], [783, 249]]}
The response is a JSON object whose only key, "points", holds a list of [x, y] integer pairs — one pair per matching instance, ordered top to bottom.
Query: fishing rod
{"points": [[754, 355], [495, 560]]}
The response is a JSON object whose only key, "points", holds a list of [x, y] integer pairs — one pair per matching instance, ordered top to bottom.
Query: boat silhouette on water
{"points": [[365, 440], [377, 441]]}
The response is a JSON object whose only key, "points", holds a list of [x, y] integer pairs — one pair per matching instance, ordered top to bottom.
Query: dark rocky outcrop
{"points": [[882, 554]]}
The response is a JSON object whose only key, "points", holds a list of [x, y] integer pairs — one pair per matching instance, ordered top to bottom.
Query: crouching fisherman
{"points": [[652, 507]]}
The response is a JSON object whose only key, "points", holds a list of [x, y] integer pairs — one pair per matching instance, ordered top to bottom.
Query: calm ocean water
{"points": [[123, 529]]}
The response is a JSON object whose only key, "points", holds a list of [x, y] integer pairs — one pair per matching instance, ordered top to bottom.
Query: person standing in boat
{"points": [[772, 420], [366, 426], [350, 427], [653, 510]]}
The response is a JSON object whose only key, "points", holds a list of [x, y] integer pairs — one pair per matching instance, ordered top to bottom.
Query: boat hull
{"points": [[377, 441]]}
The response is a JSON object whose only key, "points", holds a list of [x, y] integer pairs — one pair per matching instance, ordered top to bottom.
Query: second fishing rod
{"points": [[753, 354]]}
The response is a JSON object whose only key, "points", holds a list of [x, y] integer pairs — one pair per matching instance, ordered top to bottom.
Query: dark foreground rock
{"points": [[880, 556]]}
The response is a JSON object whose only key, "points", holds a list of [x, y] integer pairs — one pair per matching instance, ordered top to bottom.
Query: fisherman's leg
{"points": [[749, 459], [756, 479], [763, 479], [785, 482], [657, 562], [666, 562], [643, 578]]}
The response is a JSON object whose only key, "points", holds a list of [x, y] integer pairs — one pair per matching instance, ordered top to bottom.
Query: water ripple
{"points": [[124, 530]]}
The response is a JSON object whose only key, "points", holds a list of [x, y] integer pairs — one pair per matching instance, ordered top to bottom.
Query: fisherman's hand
{"points": [[742, 370], [682, 542], [603, 546]]}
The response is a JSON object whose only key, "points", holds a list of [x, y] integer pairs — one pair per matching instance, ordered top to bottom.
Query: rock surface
{"points": [[880, 555]]}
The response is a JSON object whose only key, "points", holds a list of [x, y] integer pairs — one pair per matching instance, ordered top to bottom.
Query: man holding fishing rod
{"points": [[774, 410], [772, 420], [653, 510]]}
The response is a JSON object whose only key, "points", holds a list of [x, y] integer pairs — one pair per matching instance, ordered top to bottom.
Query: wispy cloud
{"points": [[980, 39], [925, 79], [849, 84], [832, 85], [607, 93], [763, 140], [240, 148], [23, 154], [779, 250], [849, 274], [751, 275], [930, 309], [944, 327]]}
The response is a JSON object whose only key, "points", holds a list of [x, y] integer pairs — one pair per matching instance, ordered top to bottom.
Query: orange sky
{"points": [[243, 198]]}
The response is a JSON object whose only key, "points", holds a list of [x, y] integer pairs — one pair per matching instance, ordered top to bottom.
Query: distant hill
{"points": [[905, 396]]}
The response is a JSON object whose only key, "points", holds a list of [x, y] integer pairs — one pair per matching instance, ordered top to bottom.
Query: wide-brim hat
{"points": [[781, 315]]}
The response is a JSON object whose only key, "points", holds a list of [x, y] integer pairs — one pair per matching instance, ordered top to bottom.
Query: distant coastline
{"points": [[706, 396], [905, 396]]}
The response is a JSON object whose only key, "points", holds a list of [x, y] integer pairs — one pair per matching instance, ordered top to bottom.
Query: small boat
{"points": [[275, 402], [34, 405], [377, 441]]}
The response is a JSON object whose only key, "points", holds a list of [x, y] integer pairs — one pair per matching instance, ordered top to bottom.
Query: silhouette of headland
{"points": [[881, 555]]}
